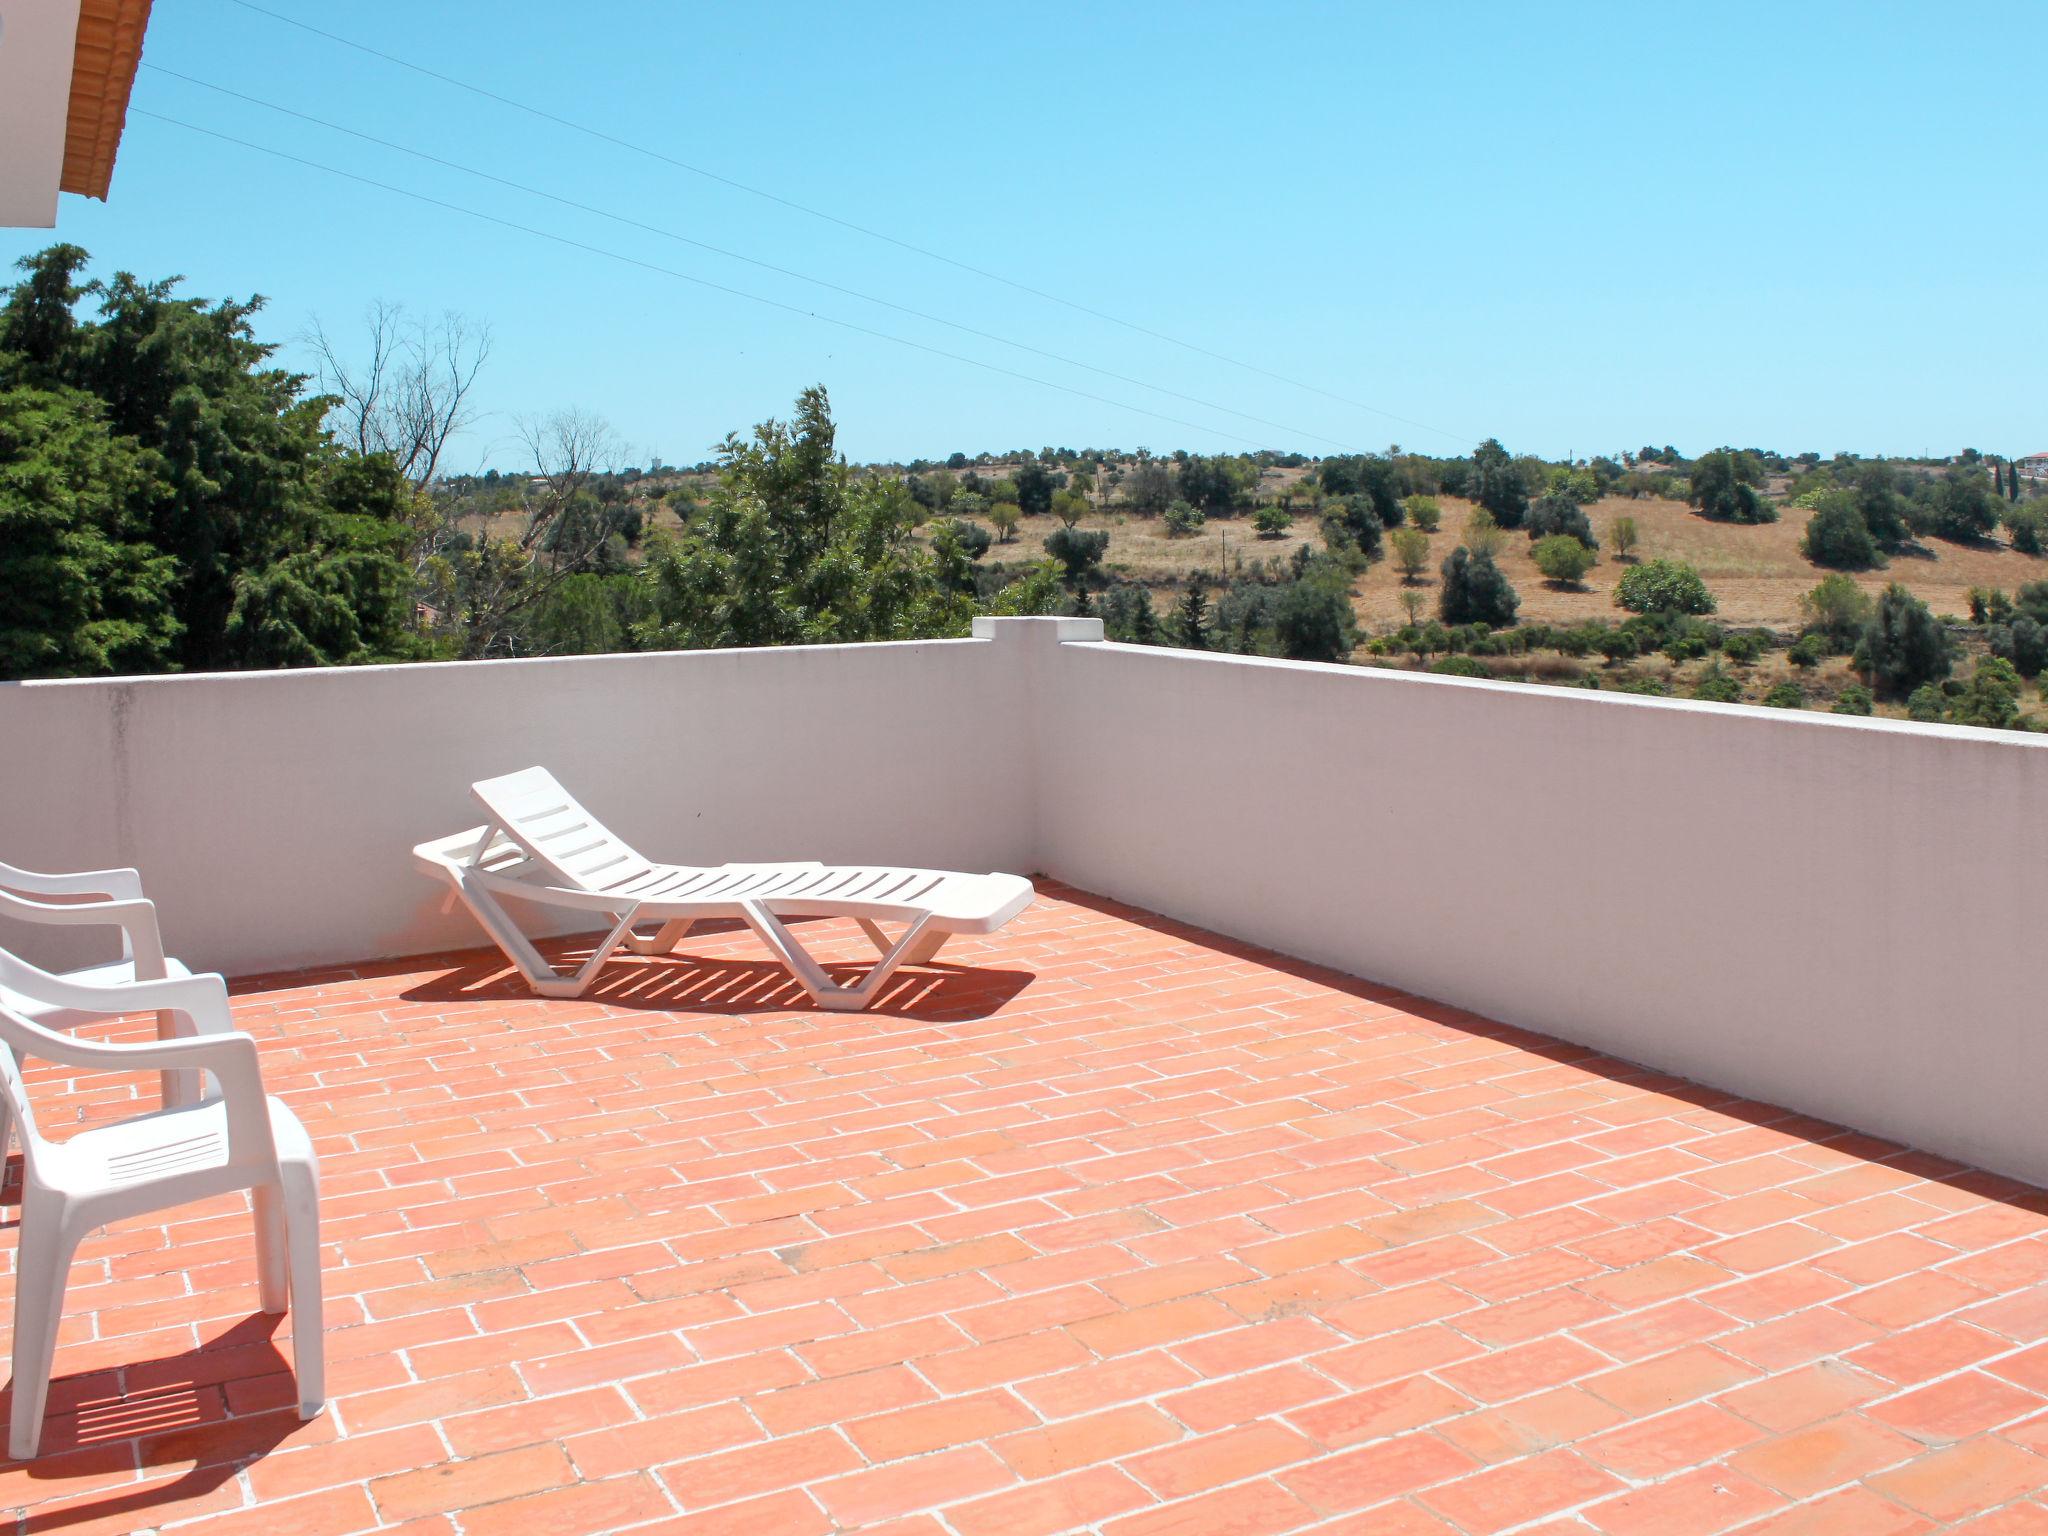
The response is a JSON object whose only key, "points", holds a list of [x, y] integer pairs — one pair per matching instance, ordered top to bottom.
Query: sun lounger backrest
{"points": [[547, 820]]}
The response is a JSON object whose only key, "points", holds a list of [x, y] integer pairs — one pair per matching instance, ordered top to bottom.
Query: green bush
{"points": [[1723, 485], [1425, 513], [1552, 516], [1184, 517], [1272, 520], [2024, 522], [1836, 535], [1079, 551], [1411, 552], [1562, 558], [1663, 586], [1475, 592], [1837, 609], [1312, 621], [2022, 642], [1618, 645], [1745, 647], [1902, 647], [1807, 651], [1459, 666], [1655, 687], [1717, 687], [1785, 695], [1992, 698], [1852, 700], [1927, 704]]}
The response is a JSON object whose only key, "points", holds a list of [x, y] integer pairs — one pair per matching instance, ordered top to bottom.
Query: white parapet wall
{"points": [[272, 813], [1841, 916], [1844, 916]]}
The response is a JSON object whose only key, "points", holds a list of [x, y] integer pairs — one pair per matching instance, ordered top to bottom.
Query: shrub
{"points": [[1497, 484], [1724, 486], [1425, 513], [1550, 516], [1184, 517], [1272, 520], [2024, 523], [1482, 533], [1836, 535], [1622, 536], [972, 539], [1079, 551], [1411, 552], [1563, 558], [1663, 586], [1475, 592], [2032, 600], [1989, 605], [1838, 609], [1312, 621], [2022, 642], [1618, 645], [1686, 647], [1902, 647], [1744, 648], [1807, 651], [1459, 666], [1650, 685], [1717, 687], [1785, 695], [1992, 699], [1852, 700], [1927, 704]]}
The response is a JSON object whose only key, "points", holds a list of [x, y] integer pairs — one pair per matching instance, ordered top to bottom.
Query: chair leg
{"points": [[920, 953], [542, 977], [300, 1197], [272, 1242], [43, 1265]]}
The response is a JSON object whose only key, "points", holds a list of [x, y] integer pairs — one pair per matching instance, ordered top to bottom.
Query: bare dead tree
{"points": [[411, 394], [565, 531]]}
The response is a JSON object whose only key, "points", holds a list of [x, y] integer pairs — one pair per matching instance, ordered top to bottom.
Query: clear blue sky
{"points": [[1577, 227]]}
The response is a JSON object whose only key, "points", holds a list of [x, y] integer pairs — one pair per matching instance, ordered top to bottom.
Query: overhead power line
{"points": [[831, 218], [740, 256], [689, 277]]}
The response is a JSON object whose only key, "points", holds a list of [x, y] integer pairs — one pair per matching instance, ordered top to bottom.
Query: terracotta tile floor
{"points": [[1118, 1228]]}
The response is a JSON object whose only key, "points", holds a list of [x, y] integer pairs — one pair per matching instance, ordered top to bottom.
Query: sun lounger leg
{"points": [[661, 942], [919, 953], [541, 976], [812, 977]]}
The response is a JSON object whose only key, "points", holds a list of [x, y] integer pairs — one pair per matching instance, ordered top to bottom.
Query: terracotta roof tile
{"points": [[102, 75]]}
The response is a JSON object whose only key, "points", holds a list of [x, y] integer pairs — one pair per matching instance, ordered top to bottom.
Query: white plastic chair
{"points": [[90, 899], [231, 1135]]}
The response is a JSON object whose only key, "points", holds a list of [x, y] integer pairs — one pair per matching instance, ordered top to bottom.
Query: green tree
{"points": [[227, 473], [1497, 484], [1724, 485], [1035, 486], [1963, 508], [1551, 515], [1004, 517], [1182, 518], [1272, 520], [2024, 524], [1836, 534], [1622, 536], [794, 547], [1079, 551], [1411, 552], [1563, 559], [1663, 586], [1475, 591], [85, 595], [1837, 609], [1312, 619], [1190, 625], [1903, 647], [1991, 699]]}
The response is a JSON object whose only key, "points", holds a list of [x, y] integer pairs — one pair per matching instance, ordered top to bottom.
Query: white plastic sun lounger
{"points": [[541, 846]]}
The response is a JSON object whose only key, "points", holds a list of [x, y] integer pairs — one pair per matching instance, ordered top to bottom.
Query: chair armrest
{"points": [[90, 882], [141, 941], [201, 999], [229, 1057]]}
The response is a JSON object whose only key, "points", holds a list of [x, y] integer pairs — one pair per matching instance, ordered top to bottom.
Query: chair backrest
{"points": [[548, 822]]}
